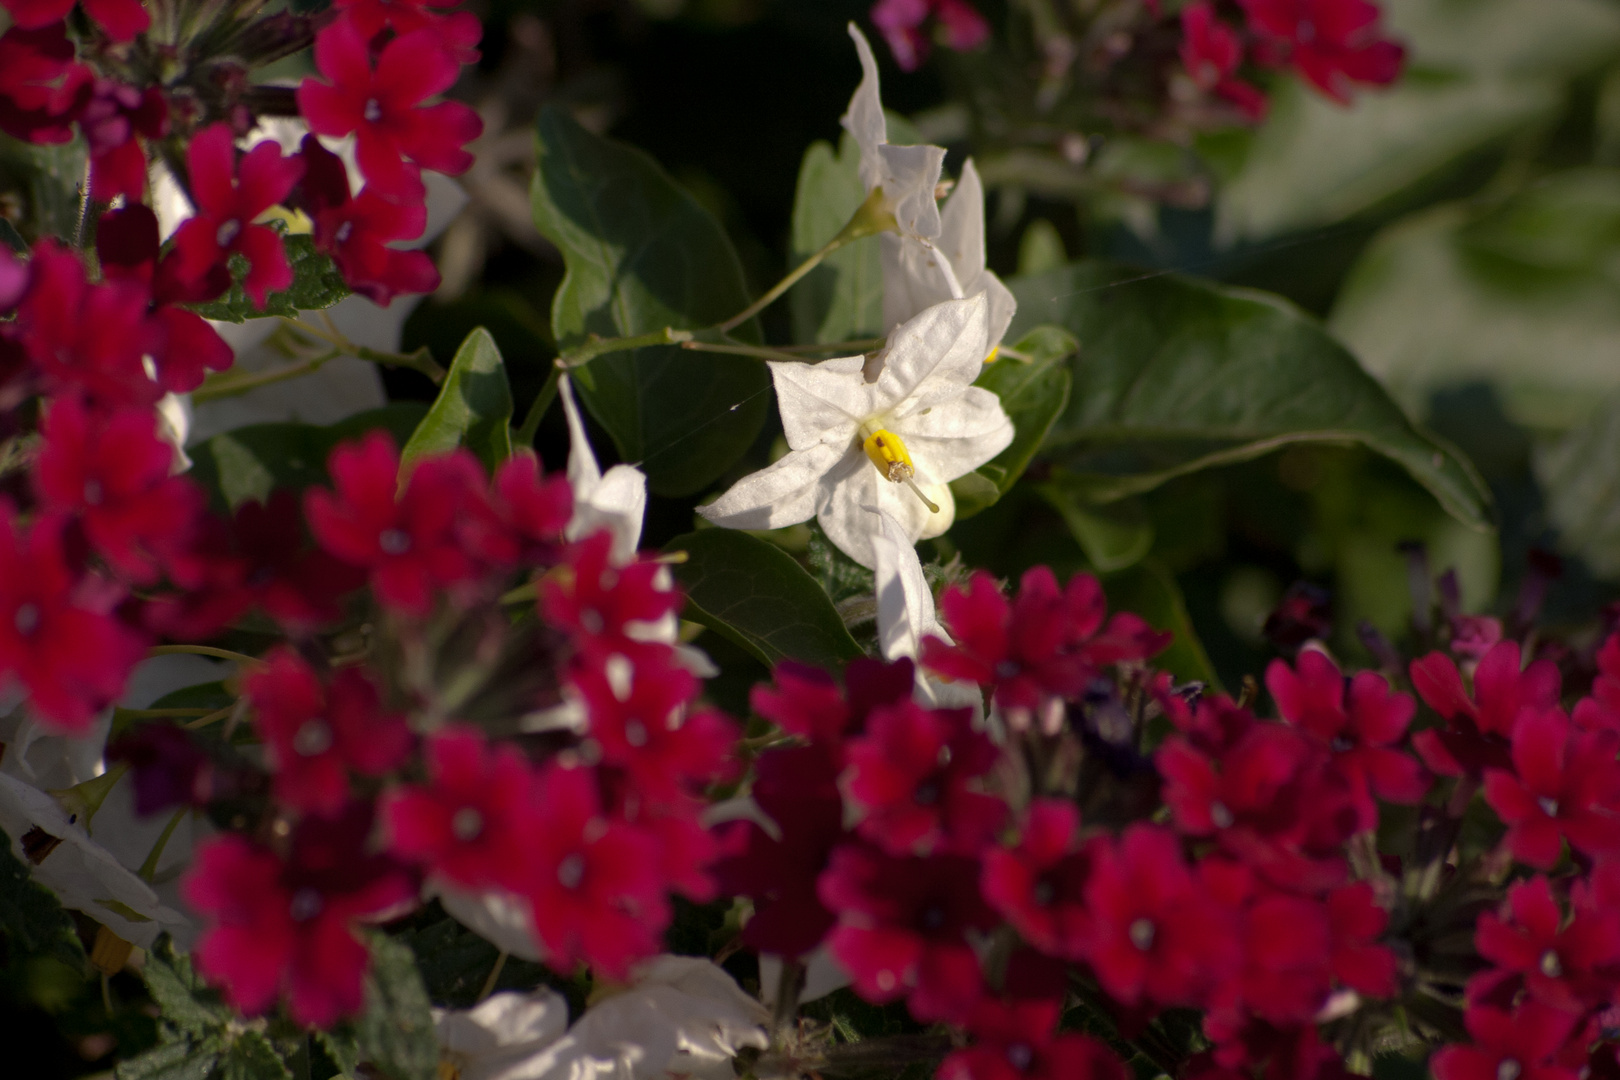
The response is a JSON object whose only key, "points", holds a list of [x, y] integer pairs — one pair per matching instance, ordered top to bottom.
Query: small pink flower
{"points": [[122, 19], [902, 22], [1332, 43], [1211, 53], [43, 87], [382, 106], [229, 197], [411, 545], [599, 601], [1479, 727], [315, 735], [914, 774], [1564, 785], [471, 822], [593, 882], [1039, 886], [903, 926], [286, 927], [1559, 961], [1521, 1044]]}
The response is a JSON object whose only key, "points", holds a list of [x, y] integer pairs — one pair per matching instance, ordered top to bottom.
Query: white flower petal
{"points": [[864, 120], [910, 175], [961, 236], [916, 276], [935, 355], [822, 403], [955, 437], [783, 493], [616, 501], [848, 523], [905, 603], [84, 875], [499, 919], [822, 976], [502, 1037]]}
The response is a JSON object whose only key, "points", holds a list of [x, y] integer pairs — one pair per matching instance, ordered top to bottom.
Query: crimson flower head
{"points": [[121, 19], [902, 23], [458, 29], [1332, 43], [1211, 53], [43, 87], [382, 106], [111, 120], [228, 199], [357, 231], [83, 338], [186, 347], [112, 473], [409, 544], [261, 557], [602, 602], [58, 637], [1040, 648], [806, 701], [1601, 711], [639, 719], [1359, 720], [1479, 727], [315, 735], [914, 774], [1564, 785], [797, 787], [470, 823], [593, 883], [1039, 886], [286, 926], [903, 926], [1154, 935], [1358, 961], [1560, 962], [1017, 1041], [1521, 1044]]}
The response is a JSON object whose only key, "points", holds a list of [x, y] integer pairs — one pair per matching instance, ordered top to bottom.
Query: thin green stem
{"points": [[872, 217], [857, 345], [597, 346], [757, 351], [420, 360], [229, 384], [542, 401], [202, 650], [148, 714], [210, 718], [148, 868], [494, 976]]}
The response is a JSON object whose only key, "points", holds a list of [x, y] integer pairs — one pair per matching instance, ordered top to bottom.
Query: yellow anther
{"points": [[298, 223], [995, 352], [885, 450], [110, 952]]}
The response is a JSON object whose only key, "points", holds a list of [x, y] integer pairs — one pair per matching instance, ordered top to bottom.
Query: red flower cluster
{"points": [[905, 25], [1331, 43]]}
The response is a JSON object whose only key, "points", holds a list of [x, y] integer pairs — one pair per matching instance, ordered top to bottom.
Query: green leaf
{"points": [[1478, 72], [11, 238], [642, 255], [317, 283], [1524, 296], [841, 299], [1176, 375], [1034, 393], [473, 409], [251, 462], [1580, 473], [1113, 537], [1151, 591], [755, 594], [32, 921], [186, 1002], [395, 1033], [251, 1057], [179, 1060]]}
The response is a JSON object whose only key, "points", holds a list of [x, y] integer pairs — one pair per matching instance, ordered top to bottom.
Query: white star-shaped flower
{"points": [[894, 443]]}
